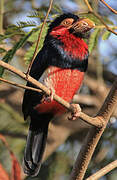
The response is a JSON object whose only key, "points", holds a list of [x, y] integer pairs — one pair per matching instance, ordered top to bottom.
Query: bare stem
{"points": [[113, 10], [1, 15], [39, 37], [20, 85], [103, 171]]}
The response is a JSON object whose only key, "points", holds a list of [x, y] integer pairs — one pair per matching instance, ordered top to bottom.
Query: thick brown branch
{"points": [[113, 10], [39, 37], [110, 103], [86, 118], [94, 135], [103, 171]]}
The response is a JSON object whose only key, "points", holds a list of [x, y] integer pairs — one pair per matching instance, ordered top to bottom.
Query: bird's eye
{"points": [[67, 22]]}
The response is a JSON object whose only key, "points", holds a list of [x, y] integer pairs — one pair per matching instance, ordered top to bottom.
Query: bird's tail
{"points": [[35, 146]]}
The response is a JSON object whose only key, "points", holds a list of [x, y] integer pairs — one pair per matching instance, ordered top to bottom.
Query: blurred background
{"points": [[20, 23]]}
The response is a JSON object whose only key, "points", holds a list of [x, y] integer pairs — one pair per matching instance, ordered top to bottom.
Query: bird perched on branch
{"points": [[60, 65]]}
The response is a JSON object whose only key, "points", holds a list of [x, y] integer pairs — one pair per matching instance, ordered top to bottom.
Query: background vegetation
{"points": [[20, 23]]}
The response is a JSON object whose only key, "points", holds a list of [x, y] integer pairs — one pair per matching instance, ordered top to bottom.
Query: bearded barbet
{"points": [[60, 65]]}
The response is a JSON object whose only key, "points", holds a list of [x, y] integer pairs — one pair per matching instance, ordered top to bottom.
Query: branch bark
{"points": [[113, 10], [1, 15], [99, 17], [92, 121], [94, 135], [103, 171]]}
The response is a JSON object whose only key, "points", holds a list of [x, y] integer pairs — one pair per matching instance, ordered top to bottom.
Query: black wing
{"points": [[32, 98]]}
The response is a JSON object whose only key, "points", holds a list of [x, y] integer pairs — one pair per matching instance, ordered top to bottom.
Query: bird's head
{"points": [[72, 23]]}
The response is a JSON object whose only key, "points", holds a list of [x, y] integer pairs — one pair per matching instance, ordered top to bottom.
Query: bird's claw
{"points": [[50, 97], [76, 113]]}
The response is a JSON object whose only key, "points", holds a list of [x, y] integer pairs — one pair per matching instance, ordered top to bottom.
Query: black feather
{"points": [[52, 54], [36, 141]]}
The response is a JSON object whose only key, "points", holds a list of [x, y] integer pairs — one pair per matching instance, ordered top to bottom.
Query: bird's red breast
{"points": [[64, 82]]}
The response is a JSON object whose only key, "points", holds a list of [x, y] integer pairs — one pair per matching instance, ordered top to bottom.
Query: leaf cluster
{"points": [[16, 35]]}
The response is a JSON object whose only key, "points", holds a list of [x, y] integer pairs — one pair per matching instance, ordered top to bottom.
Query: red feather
{"points": [[73, 45], [65, 83]]}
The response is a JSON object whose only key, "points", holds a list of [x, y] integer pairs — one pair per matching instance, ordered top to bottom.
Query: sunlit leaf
{"points": [[57, 8], [36, 14], [22, 24], [106, 35], [33, 38], [93, 39], [2, 50], [9, 55]]}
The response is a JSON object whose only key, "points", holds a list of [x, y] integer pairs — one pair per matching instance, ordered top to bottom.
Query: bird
{"points": [[60, 65]]}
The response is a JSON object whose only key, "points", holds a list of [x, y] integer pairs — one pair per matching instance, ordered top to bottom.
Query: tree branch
{"points": [[113, 10], [1, 15], [99, 17], [39, 37], [19, 85], [92, 121], [94, 135], [103, 171]]}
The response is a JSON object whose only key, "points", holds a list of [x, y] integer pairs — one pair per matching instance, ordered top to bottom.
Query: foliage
{"points": [[106, 35], [33, 39], [93, 39], [12, 122]]}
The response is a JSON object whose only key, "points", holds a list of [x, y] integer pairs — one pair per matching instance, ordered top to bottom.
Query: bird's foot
{"points": [[49, 98], [76, 113]]}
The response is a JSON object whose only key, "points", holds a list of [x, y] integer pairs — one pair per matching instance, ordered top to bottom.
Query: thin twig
{"points": [[88, 5], [113, 10], [1, 15], [99, 17], [103, 22], [102, 27], [39, 38], [20, 85], [92, 121], [103, 171]]}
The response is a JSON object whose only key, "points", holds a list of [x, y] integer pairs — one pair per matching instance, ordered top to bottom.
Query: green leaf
{"points": [[57, 8], [36, 14], [107, 21], [22, 24], [13, 30], [10, 32], [106, 35], [1, 37], [33, 38], [93, 40], [2, 50], [29, 54], [9, 55]]}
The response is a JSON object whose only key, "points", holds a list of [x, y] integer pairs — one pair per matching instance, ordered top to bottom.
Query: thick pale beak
{"points": [[83, 25]]}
